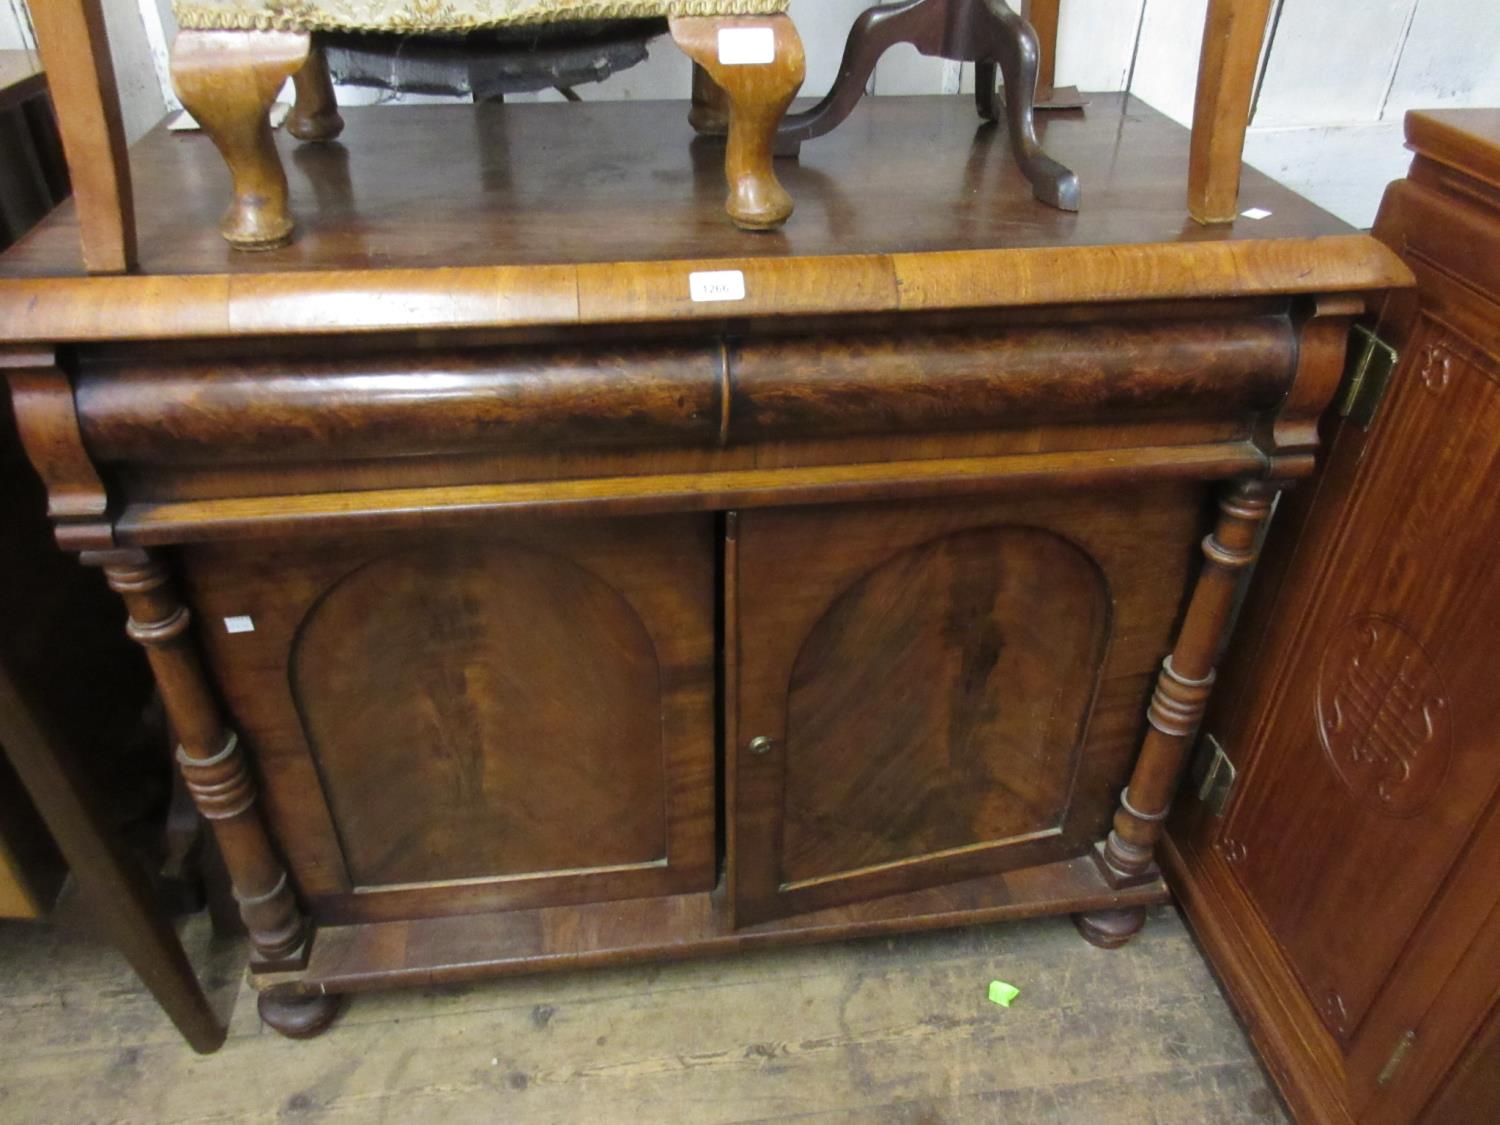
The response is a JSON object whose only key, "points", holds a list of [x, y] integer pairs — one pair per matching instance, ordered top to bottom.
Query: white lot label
{"points": [[747, 46], [1256, 213], [717, 285], [239, 625]]}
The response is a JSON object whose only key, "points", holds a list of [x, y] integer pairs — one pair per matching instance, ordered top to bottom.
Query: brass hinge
{"points": [[1372, 362], [1213, 775], [1398, 1056]]}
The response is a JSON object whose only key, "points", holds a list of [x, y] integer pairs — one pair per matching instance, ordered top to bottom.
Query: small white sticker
{"points": [[747, 46], [1256, 213], [717, 285], [239, 625]]}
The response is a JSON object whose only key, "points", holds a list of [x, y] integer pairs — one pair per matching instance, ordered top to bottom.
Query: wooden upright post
{"points": [[1232, 36], [81, 76]]}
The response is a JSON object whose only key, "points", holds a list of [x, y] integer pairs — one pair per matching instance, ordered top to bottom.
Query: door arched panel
{"points": [[928, 693], [940, 702], [468, 705]]}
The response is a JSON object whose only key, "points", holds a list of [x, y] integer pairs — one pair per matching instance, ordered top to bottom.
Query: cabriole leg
{"points": [[1016, 51], [228, 80], [758, 94], [710, 113], [315, 116], [211, 760], [1127, 857]]}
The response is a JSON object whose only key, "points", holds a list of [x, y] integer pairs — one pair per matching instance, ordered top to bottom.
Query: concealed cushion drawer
{"points": [[713, 392]]}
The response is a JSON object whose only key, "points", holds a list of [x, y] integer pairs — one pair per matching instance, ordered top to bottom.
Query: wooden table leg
{"points": [[985, 32], [1232, 38], [228, 80], [758, 94], [710, 113], [315, 116], [1127, 857], [107, 875]]}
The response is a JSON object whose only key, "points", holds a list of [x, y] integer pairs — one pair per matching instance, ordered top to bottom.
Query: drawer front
{"points": [[704, 394], [929, 693], [447, 723]]}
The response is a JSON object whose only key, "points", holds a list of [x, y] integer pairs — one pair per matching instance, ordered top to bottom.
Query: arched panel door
{"points": [[916, 687], [483, 710], [457, 722]]}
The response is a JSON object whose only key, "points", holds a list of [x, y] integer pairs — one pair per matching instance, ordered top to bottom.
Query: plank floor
{"points": [[884, 1030]]}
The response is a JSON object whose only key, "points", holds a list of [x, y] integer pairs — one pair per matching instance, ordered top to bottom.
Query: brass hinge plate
{"points": [[1372, 362], [1214, 775]]}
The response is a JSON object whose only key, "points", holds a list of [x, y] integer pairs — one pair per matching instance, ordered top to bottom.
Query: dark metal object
{"points": [[984, 32], [490, 64]]}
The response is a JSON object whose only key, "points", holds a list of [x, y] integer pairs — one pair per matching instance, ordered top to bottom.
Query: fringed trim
{"points": [[443, 15]]}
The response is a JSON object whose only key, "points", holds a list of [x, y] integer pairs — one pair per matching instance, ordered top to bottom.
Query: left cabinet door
{"points": [[456, 722]]}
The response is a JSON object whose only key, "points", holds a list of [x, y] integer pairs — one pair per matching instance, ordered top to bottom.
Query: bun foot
{"points": [[1110, 929], [298, 1015]]}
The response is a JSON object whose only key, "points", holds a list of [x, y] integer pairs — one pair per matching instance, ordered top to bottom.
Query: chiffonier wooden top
{"points": [[499, 217]]}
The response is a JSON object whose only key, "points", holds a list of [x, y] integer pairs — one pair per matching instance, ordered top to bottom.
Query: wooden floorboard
{"points": [[883, 1030]]}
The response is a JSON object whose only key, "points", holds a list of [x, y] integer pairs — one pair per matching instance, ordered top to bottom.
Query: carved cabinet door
{"points": [[925, 693], [1377, 757], [1354, 864]]}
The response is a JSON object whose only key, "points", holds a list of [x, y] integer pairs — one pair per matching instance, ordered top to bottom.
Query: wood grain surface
{"points": [[74, 48], [515, 230], [949, 689], [454, 723], [891, 1031]]}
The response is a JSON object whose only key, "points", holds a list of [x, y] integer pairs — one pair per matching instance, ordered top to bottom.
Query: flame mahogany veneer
{"points": [[516, 612]]}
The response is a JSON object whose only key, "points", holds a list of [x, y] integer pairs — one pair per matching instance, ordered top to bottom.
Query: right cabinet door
{"points": [[930, 692]]}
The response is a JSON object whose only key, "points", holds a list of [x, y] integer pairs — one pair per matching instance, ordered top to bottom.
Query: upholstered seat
{"points": [[232, 56]]}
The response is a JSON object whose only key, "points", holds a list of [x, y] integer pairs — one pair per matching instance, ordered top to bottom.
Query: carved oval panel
{"points": [[940, 702], [482, 710], [1383, 716]]}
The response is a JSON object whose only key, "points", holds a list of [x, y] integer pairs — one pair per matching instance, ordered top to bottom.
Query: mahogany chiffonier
{"points": [[544, 574], [1345, 885]]}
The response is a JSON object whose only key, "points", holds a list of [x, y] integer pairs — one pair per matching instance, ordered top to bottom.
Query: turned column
{"points": [[212, 761], [1127, 856]]}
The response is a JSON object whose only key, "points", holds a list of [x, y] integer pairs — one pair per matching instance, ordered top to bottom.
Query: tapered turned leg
{"points": [[1017, 53], [228, 80], [759, 92], [710, 113], [315, 116], [211, 760], [1127, 857], [297, 1014]]}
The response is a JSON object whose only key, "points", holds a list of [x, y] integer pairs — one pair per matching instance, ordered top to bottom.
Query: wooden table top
{"points": [[20, 77], [1466, 139], [526, 214]]}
